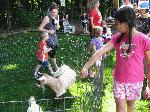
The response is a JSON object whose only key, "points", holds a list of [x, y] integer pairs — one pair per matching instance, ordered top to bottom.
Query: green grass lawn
{"points": [[17, 63]]}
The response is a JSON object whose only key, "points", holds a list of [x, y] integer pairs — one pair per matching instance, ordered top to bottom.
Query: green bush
{"points": [[28, 19]]}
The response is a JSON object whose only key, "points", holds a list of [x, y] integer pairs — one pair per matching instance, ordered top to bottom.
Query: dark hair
{"points": [[94, 2], [53, 6], [126, 15], [95, 32]]}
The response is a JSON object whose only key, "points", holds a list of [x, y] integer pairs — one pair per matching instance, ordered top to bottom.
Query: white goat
{"points": [[66, 77], [33, 107]]}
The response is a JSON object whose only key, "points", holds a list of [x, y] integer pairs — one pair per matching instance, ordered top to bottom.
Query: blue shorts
{"points": [[44, 63]]}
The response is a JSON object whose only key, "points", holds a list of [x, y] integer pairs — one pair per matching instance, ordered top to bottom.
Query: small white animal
{"points": [[66, 78], [33, 107]]}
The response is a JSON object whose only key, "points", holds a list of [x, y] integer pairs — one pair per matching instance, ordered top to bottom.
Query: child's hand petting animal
{"points": [[84, 73]]}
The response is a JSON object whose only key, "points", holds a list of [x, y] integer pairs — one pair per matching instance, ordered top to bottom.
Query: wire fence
{"points": [[17, 84], [92, 101], [21, 106]]}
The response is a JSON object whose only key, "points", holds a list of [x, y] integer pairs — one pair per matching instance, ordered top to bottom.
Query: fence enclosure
{"points": [[17, 64]]}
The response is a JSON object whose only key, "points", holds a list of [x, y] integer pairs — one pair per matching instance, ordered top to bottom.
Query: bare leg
{"points": [[86, 28], [54, 63], [37, 69], [50, 69], [120, 105], [130, 105]]}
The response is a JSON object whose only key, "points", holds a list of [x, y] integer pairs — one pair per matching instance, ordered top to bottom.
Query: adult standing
{"points": [[95, 17], [143, 21], [50, 24]]}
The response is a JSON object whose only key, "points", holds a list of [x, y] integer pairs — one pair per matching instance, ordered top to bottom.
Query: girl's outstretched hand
{"points": [[84, 72], [147, 93]]}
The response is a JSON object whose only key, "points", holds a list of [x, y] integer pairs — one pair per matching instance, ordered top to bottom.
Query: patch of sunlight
{"points": [[9, 67], [108, 70], [79, 88], [108, 102], [111, 105]]}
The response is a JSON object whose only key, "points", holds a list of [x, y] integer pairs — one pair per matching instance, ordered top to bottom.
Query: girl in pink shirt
{"points": [[132, 47]]}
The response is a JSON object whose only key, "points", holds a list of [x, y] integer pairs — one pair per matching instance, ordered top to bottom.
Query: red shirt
{"points": [[97, 18], [41, 47]]}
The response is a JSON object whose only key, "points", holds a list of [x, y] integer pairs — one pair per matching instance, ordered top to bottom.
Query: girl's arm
{"points": [[42, 25], [107, 47], [148, 73]]}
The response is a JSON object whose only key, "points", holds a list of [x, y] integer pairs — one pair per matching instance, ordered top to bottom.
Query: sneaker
{"points": [[35, 74], [38, 75]]}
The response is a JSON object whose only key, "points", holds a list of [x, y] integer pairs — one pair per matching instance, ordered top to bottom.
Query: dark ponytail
{"points": [[126, 15], [120, 38], [130, 39]]}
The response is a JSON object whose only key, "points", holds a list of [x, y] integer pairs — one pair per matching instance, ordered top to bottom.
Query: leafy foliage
{"points": [[16, 14], [28, 19]]}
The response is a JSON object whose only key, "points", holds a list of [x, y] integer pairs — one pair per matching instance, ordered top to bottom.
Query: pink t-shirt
{"points": [[129, 68]]}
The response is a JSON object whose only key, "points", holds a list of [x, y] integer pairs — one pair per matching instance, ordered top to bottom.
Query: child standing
{"points": [[84, 20], [97, 43], [131, 49], [42, 54]]}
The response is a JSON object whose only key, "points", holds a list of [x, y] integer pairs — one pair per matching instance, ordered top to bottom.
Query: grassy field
{"points": [[17, 63]]}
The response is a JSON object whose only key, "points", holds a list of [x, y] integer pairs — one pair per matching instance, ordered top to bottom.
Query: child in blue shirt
{"points": [[97, 42]]}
